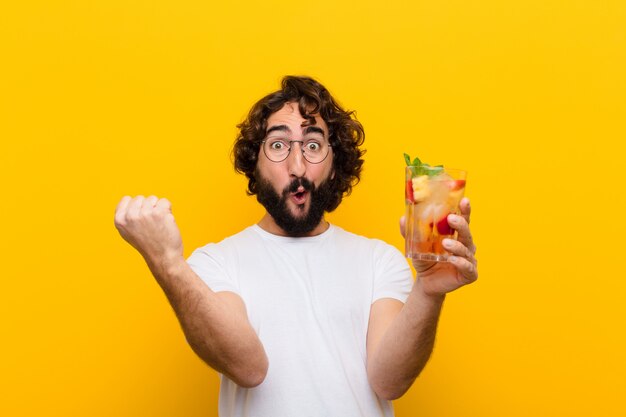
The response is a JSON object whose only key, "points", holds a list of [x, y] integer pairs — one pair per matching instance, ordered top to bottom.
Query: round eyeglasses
{"points": [[313, 150]]}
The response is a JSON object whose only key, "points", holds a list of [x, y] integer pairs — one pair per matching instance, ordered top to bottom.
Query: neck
{"points": [[268, 224]]}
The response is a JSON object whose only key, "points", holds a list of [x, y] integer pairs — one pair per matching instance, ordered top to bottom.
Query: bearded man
{"points": [[300, 317]]}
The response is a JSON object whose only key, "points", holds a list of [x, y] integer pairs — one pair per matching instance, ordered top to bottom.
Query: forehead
{"points": [[289, 116]]}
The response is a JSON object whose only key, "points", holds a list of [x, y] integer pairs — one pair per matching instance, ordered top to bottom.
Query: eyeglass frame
{"points": [[290, 142]]}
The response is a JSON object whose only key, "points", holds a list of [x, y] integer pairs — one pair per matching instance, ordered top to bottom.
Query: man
{"points": [[299, 316]]}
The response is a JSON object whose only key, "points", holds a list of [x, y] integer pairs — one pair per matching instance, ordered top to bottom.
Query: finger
{"points": [[123, 203], [148, 204], [164, 205], [464, 205], [134, 208], [120, 209], [459, 224], [403, 226], [457, 248], [467, 269]]}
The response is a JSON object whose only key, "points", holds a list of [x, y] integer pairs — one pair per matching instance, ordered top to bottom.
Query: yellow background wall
{"points": [[99, 99]]}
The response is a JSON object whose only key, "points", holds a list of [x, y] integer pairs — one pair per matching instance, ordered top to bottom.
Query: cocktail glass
{"points": [[430, 197]]}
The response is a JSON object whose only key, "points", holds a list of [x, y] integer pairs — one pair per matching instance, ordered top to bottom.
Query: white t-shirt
{"points": [[309, 301]]}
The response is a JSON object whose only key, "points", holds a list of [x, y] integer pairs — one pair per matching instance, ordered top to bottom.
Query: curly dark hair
{"points": [[346, 134]]}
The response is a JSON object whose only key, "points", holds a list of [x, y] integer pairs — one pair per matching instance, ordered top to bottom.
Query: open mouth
{"points": [[299, 197]]}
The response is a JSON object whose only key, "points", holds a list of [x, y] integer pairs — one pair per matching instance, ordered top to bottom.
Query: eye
{"points": [[277, 145], [313, 146]]}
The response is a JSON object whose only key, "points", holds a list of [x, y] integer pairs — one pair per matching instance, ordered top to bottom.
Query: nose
{"points": [[296, 161]]}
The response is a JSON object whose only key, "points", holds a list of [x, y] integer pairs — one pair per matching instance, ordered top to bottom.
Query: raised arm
{"points": [[215, 324], [401, 336]]}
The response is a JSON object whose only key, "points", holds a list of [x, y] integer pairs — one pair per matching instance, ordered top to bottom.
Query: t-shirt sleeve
{"points": [[209, 264], [393, 277]]}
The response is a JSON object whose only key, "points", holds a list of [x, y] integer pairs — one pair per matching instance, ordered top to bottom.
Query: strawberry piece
{"points": [[456, 184], [409, 192], [443, 227]]}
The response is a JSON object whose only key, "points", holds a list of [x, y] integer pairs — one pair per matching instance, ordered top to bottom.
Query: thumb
{"points": [[403, 226]]}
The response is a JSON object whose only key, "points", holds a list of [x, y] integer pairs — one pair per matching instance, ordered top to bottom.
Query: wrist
{"points": [[166, 265], [429, 297]]}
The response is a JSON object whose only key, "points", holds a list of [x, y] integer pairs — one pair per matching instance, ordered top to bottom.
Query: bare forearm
{"points": [[215, 326], [406, 346]]}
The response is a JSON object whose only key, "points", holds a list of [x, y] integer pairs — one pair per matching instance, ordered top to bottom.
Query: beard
{"points": [[276, 204]]}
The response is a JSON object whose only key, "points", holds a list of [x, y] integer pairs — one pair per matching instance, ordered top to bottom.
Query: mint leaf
{"points": [[420, 168], [432, 171]]}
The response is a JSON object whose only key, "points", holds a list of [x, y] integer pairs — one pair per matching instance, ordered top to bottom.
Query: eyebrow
{"points": [[278, 128], [285, 128], [314, 129]]}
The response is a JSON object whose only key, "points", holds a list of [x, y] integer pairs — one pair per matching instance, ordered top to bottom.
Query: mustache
{"points": [[296, 183]]}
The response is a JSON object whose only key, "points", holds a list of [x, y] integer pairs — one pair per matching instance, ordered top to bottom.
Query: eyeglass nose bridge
{"points": [[291, 142]]}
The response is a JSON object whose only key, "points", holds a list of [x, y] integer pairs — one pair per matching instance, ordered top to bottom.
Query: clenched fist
{"points": [[149, 226]]}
